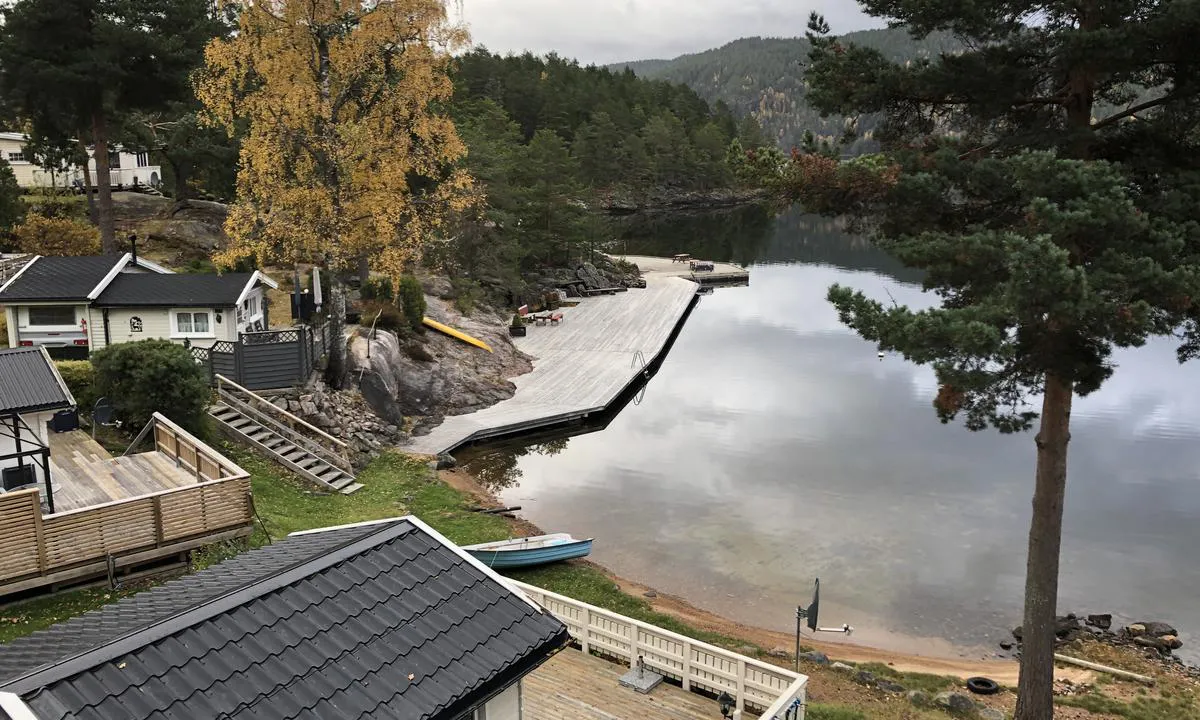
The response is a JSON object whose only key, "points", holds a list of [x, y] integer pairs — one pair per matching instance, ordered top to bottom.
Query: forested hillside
{"points": [[764, 78], [549, 140]]}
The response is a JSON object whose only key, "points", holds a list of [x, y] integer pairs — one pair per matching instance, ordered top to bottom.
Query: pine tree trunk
{"points": [[93, 218], [108, 234], [335, 371], [1035, 691]]}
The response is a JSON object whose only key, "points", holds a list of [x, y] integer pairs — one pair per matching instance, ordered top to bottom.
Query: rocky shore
{"points": [[671, 200], [1156, 640]]}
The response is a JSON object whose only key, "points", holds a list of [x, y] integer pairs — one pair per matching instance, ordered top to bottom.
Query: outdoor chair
{"points": [[103, 414]]}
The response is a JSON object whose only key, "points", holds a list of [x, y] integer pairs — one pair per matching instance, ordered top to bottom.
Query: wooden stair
{"points": [[281, 443]]}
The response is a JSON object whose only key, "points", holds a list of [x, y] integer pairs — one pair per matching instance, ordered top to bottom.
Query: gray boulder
{"points": [[1158, 629], [818, 658], [842, 667], [864, 677], [889, 686], [920, 698], [956, 704], [990, 713]]}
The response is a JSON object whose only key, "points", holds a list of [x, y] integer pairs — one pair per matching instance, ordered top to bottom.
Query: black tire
{"points": [[982, 686]]}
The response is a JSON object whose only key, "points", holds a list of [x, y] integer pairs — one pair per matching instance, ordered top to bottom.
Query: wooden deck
{"points": [[658, 267], [580, 366], [83, 474], [118, 515], [574, 686]]}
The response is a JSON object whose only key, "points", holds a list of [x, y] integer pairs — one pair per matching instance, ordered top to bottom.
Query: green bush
{"points": [[378, 289], [412, 300], [389, 317], [80, 377], [141, 378]]}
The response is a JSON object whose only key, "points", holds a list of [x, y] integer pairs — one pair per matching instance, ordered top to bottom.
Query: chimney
{"points": [[133, 246]]}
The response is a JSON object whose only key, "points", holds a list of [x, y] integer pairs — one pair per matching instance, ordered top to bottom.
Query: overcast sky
{"points": [[608, 31]]}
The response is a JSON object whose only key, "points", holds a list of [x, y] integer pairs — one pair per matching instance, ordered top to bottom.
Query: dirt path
{"points": [[1002, 671]]}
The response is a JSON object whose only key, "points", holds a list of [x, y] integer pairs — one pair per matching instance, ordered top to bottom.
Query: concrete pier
{"points": [[580, 366]]}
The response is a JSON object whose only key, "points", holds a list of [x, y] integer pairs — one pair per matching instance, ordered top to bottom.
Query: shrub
{"points": [[56, 236], [378, 289], [467, 294], [412, 299], [390, 317], [80, 377], [141, 378]]}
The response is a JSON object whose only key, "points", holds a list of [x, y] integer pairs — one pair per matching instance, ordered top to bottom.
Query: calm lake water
{"points": [[774, 446]]}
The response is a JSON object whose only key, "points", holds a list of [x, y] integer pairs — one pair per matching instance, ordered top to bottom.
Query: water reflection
{"points": [[774, 446]]}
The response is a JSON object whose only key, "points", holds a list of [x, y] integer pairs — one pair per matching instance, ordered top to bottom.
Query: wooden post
{"points": [[158, 521], [39, 536], [584, 645], [687, 667], [741, 684]]}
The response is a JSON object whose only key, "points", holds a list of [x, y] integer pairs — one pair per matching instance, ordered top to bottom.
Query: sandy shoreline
{"points": [[1002, 671]]}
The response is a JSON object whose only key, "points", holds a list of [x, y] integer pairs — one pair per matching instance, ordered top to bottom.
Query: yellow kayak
{"points": [[457, 335]]}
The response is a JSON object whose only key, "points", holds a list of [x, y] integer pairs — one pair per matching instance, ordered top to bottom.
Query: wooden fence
{"points": [[269, 359], [45, 549], [756, 686]]}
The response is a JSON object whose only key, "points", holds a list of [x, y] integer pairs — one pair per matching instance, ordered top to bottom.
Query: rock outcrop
{"points": [[426, 378], [345, 415]]}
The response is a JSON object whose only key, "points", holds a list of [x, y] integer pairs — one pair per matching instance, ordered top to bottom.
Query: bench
{"points": [[702, 265], [602, 291], [553, 318]]}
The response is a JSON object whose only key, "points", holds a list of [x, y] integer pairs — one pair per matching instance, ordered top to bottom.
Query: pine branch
{"points": [[1130, 112]]}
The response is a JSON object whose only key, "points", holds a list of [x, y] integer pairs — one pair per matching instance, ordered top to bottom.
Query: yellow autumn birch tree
{"points": [[347, 152]]}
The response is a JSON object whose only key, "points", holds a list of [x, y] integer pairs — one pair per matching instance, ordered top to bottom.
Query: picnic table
{"points": [[681, 257], [553, 318]]}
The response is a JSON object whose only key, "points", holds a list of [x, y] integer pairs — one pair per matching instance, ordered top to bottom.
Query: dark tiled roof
{"points": [[60, 278], [202, 290], [29, 382], [378, 621]]}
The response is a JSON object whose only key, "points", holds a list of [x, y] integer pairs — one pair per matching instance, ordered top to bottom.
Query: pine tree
{"points": [[75, 68], [597, 150], [1045, 179], [551, 211]]}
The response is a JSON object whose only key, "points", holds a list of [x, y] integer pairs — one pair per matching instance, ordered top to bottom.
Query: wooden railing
{"points": [[275, 418], [190, 453], [42, 549], [756, 686]]}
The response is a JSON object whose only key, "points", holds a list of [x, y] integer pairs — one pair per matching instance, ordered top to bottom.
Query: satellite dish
{"points": [[810, 614]]}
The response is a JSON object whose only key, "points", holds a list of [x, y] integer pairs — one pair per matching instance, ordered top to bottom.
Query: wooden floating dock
{"points": [[721, 274], [580, 366]]}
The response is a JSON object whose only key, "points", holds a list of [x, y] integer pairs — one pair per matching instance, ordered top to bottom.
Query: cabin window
{"points": [[18, 156], [143, 159], [114, 160], [51, 315], [191, 322]]}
